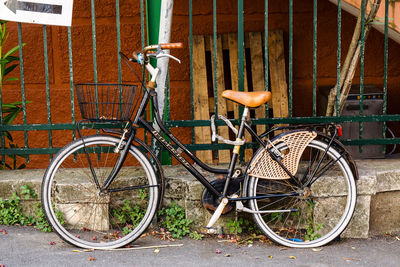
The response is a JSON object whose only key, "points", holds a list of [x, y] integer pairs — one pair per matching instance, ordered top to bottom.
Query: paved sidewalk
{"points": [[25, 246]]}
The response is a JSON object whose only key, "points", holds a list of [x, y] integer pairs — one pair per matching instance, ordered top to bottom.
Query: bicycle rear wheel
{"points": [[312, 211], [83, 215]]}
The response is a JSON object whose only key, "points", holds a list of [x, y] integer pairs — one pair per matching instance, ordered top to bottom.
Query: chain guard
{"points": [[210, 201]]}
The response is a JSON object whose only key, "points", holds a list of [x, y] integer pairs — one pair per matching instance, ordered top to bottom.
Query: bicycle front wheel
{"points": [[79, 209], [314, 209]]}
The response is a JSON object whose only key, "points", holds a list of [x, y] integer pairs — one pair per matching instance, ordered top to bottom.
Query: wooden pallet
{"points": [[227, 55]]}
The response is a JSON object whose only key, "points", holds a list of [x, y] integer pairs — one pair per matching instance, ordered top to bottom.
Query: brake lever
{"points": [[168, 55]]}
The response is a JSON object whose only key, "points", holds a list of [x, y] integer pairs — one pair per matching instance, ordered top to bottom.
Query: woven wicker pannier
{"points": [[263, 166]]}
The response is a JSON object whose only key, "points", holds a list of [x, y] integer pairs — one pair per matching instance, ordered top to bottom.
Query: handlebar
{"points": [[158, 47]]}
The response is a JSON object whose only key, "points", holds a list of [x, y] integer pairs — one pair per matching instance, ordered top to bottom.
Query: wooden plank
{"points": [[233, 57], [257, 72], [277, 74], [200, 97], [223, 155]]}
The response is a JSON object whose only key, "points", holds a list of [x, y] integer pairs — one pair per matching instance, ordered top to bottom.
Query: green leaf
{"points": [[12, 51], [9, 69]]}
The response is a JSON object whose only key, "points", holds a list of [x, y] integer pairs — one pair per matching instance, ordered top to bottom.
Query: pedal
{"points": [[217, 212], [209, 230]]}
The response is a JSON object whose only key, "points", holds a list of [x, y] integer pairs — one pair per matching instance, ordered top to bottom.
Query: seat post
{"points": [[244, 118]]}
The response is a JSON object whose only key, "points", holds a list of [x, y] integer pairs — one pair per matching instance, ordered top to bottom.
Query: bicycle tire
{"points": [[319, 213], [84, 217]]}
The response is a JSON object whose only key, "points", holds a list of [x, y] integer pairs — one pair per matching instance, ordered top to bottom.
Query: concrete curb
{"points": [[377, 210]]}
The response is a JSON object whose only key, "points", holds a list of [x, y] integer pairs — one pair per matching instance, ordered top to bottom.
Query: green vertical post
{"points": [[153, 10], [315, 20], [118, 24], [362, 39], [240, 46], [290, 57], [241, 59], [191, 61], [338, 62], [266, 68], [385, 70], [46, 71], [22, 80], [71, 80], [215, 83]]}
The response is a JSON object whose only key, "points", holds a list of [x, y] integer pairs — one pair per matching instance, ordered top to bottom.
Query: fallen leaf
{"points": [[3, 231], [397, 238], [52, 243], [353, 247], [316, 249], [156, 250], [218, 251], [227, 255], [270, 256], [292, 257], [91, 259]]}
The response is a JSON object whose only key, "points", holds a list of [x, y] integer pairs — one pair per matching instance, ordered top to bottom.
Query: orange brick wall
{"points": [[180, 73]]}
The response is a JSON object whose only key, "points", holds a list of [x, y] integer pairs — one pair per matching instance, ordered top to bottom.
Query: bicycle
{"points": [[299, 185]]}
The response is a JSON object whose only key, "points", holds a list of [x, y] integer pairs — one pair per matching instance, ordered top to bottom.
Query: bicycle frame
{"points": [[158, 135]]}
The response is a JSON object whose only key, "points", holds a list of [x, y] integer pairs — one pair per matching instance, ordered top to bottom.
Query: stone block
{"points": [[388, 181], [366, 185], [6, 188], [175, 188], [194, 190], [167, 202], [29, 206], [194, 211], [385, 213], [93, 216], [359, 224]]}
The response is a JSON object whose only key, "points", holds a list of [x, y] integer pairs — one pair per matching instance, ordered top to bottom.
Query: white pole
{"points": [[164, 36]]}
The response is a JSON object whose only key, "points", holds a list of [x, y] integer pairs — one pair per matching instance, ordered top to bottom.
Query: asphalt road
{"points": [[25, 246]]}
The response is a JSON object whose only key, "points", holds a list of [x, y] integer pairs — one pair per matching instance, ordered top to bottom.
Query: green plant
{"points": [[9, 110], [28, 192], [11, 211], [128, 215], [174, 221], [40, 222], [241, 225], [235, 226], [311, 227], [195, 235]]}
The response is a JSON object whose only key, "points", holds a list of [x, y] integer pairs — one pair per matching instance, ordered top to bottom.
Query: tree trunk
{"points": [[350, 64]]}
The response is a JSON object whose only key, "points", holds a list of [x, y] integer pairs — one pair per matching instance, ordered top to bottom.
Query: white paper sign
{"points": [[51, 12]]}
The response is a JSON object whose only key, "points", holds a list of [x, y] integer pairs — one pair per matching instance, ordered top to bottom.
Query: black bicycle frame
{"points": [[158, 135]]}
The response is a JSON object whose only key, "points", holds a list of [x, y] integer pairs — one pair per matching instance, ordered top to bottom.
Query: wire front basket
{"points": [[107, 102]]}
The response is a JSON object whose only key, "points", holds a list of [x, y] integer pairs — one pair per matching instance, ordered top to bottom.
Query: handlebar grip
{"points": [[171, 45]]}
